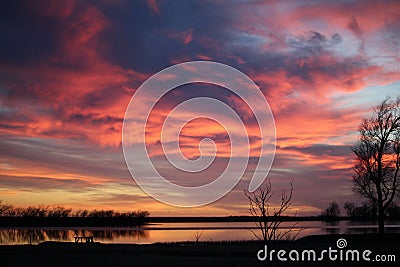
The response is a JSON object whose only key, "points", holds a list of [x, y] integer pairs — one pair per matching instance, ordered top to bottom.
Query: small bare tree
{"points": [[331, 211], [268, 220], [197, 236]]}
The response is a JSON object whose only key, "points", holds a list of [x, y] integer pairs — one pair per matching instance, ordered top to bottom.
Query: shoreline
{"points": [[135, 222], [214, 253]]}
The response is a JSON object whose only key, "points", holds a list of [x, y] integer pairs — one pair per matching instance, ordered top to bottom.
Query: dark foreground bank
{"points": [[211, 254]]}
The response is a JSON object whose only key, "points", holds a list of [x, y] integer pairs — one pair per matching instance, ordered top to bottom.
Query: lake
{"points": [[175, 232]]}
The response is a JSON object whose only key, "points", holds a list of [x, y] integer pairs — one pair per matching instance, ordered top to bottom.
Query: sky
{"points": [[68, 70]]}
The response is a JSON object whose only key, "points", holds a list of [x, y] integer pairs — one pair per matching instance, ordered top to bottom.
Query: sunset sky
{"points": [[68, 70]]}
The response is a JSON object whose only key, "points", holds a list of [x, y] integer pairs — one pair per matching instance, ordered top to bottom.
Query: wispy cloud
{"points": [[153, 6]]}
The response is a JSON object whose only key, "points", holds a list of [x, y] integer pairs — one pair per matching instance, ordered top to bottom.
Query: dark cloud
{"points": [[354, 26], [23, 34], [313, 42], [147, 44], [92, 118], [323, 150], [34, 184]]}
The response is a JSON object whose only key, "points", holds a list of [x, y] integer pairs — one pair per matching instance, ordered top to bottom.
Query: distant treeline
{"points": [[366, 210], [58, 215], [230, 219]]}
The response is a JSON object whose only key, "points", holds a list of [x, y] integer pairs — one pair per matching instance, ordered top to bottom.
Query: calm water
{"points": [[173, 232]]}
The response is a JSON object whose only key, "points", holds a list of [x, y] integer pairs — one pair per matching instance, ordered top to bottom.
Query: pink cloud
{"points": [[153, 6], [183, 36], [204, 57], [85, 100]]}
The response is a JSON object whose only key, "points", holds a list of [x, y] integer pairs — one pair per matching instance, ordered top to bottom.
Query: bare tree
{"points": [[378, 157], [349, 207], [332, 210], [268, 220], [197, 236]]}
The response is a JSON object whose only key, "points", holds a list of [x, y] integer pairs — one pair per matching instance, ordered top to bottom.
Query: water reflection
{"points": [[332, 227], [358, 227], [175, 232], [35, 236]]}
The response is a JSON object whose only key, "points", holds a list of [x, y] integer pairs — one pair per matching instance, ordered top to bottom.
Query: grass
{"points": [[209, 253]]}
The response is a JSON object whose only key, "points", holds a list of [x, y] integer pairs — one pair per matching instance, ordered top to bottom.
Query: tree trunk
{"points": [[381, 214], [381, 219]]}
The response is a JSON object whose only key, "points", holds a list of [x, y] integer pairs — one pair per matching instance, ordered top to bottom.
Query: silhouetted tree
{"points": [[378, 157], [349, 208], [5, 209], [366, 210], [393, 210], [56, 211], [332, 211], [81, 213], [141, 214], [268, 221], [197, 236]]}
